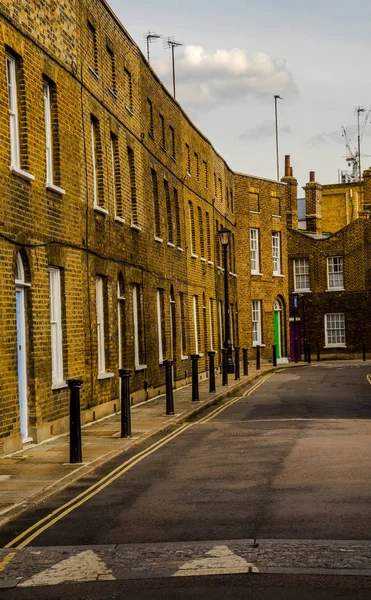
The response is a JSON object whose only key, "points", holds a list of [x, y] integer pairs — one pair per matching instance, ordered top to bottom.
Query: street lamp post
{"points": [[224, 234]]}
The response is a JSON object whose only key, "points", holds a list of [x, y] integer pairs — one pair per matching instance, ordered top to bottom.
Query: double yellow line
{"points": [[24, 538]]}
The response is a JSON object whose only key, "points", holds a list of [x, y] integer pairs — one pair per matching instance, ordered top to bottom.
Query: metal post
{"points": [[276, 97], [304, 329], [227, 341], [363, 351], [318, 354], [274, 355], [309, 355], [257, 358], [245, 361], [237, 362], [168, 364], [224, 366], [212, 387], [195, 394], [125, 403], [75, 420]]}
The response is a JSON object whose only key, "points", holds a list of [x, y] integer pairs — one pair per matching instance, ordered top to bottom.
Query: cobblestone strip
{"points": [[59, 564]]}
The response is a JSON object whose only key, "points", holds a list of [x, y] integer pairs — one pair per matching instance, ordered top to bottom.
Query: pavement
{"points": [[32, 475]]}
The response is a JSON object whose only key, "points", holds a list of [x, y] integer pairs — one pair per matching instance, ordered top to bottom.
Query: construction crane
{"points": [[353, 157]]}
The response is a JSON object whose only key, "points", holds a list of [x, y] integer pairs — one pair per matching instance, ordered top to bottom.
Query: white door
{"points": [[22, 362]]}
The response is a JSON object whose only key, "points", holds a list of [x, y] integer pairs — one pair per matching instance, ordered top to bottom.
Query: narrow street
{"points": [[277, 482]]}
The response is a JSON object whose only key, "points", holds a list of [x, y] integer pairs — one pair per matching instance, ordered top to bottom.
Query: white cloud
{"points": [[206, 78], [265, 129]]}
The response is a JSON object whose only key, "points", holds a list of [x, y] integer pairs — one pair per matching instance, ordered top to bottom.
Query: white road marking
{"points": [[219, 560], [85, 566]]}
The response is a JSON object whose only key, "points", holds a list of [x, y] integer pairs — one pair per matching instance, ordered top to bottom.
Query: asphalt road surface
{"points": [[265, 479]]}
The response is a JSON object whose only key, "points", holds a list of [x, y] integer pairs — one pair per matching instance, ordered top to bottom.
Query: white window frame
{"points": [[13, 111], [48, 134], [94, 163], [254, 251], [276, 252], [302, 264], [332, 274], [159, 294], [220, 303], [195, 307], [136, 309], [211, 315], [341, 320], [100, 325], [56, 326], [256, 327]]}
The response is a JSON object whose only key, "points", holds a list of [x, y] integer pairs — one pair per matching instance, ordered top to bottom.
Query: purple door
{"points": [[292, 337]]}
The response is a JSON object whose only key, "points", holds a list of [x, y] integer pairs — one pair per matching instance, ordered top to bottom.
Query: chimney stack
{"points": [[287, 166], [291, 195], [313, 204]]}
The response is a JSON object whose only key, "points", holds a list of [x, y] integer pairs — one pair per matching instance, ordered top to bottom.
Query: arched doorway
{"points": [[20, 290], [278, 338]]}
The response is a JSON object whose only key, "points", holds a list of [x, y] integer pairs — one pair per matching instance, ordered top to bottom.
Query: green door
{"points": [[277, 331]]}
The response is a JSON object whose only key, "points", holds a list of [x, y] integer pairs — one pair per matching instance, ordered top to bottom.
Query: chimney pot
{"points": [[287, 165], [291, 172], [312, 176]]}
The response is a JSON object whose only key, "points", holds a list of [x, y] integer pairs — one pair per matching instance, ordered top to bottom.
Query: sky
{"points": [[237, 55]]}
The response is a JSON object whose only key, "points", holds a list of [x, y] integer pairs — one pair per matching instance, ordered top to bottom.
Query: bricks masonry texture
{"points": [[98, 75]]}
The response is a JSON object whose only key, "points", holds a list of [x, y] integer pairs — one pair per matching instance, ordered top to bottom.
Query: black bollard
{"points": [[363, 351], [318, 354], [274, 355], [309, 356], [257, 358], [194, 359], [245, 361], [236, 362], [168, 364], [224, 366], [212, 387], [125, 403], [75, 420]]}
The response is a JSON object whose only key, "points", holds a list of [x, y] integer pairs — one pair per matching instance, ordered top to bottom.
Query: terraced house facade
{"points": [[110, 203]]}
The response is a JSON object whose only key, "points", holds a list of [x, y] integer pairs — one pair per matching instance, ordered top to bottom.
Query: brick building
{"points": [[110, 203], [329, 271]]}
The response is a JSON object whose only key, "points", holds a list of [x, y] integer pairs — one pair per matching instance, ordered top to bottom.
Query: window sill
{"points": [[93, 72], [113, 94], [129, 111], [163, 148], [173, 158], [23, 174], [188, 174], [54, 188], [100, 209], [255, 212], [277, 216], [119, 220], [135, 227], [158, 239], [171, 245], [180, 249], [194, 255], [202, 259], [210, 262], [256, 274], [277, 275], [335, 290], [302, 292], [254, 344], [335, 346], [184, 357], [140, 367], [105, 375], [60, 385]]}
